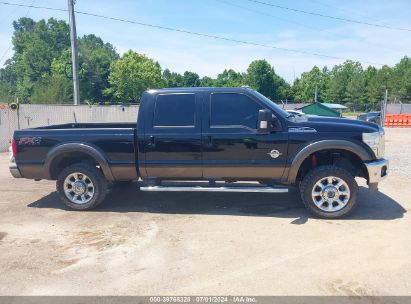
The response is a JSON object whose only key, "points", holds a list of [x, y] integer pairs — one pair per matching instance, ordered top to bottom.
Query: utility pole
{"points": [[74, 52], [316, 94], [384, 108], [18, 114]]}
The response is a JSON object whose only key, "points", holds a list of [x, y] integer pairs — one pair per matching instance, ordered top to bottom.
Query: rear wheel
{"points": [[81, 186], [329, 192]]}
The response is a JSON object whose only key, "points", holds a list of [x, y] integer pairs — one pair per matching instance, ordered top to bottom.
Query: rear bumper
{"points": [[14, 170], [377, 170]]}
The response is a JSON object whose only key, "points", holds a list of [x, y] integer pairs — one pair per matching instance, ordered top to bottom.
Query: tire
{"points": [[86, 180], [329, 200]]}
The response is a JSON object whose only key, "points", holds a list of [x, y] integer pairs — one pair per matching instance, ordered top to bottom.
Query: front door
{"points": [[173, 137], [232, 148]]}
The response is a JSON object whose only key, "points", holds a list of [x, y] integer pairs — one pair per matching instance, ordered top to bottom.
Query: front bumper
{"points": [[377, 170]]}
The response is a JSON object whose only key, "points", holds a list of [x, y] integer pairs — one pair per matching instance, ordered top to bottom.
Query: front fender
{"points": [[346, 145]]}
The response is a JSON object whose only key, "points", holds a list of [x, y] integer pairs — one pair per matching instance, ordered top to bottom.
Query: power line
{"points": [[34, 6], [343, 10], [11, 14], [274, 16], [331, 17], [304, 25], [245, 42], [10, 45], [5, 53]]}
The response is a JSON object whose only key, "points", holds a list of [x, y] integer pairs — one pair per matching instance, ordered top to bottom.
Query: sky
{"points": [[240, 20]]}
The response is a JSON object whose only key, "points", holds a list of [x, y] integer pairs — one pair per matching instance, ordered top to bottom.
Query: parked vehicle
{"points": [[296, 113], [374, 117], [217, 135]]}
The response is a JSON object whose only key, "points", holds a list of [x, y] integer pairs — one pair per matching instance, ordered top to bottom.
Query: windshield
{"points": [[279, 110], [373, 113]]}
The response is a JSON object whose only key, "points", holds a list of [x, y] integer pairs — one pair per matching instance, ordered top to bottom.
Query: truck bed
{"points": [[105, 125], [115, 142]]}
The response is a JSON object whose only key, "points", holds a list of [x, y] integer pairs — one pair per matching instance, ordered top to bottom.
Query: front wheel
{"points": [[81, 186], [329, 192]]}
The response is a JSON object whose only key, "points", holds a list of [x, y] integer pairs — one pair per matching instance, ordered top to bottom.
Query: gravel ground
{"points": [[398, 151], [209, 243]]}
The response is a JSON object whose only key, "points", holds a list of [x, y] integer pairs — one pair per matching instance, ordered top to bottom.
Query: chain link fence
{"points": [[31, 116]]}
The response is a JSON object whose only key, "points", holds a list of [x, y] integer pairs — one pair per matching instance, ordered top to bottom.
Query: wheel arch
{"points": [[322, 146], [70, 151]]}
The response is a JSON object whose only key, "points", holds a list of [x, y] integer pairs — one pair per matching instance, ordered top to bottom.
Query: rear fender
{"points": [[92, 151]]}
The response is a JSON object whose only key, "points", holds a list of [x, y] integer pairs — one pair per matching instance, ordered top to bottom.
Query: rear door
{"points": [[173, 136], [232, 147]]}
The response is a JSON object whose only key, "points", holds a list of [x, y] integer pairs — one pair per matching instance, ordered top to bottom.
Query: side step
{"points": [[214, 189]]}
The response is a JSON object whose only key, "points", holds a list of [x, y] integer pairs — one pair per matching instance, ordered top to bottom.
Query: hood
{"points": [[332, 124]]}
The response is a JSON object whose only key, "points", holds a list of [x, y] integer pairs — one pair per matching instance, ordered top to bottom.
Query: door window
{"points": [[174, 110], [233, 110]]}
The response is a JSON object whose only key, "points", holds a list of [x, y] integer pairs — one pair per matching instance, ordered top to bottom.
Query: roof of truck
{"points": [[199, 89]]}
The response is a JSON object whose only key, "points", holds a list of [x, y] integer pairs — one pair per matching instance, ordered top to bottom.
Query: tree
{"points": [[36, 45], [42, 58], [95, 58], [131, 75], [261, 77], [340, 77], [229, 78], [172, 79], [191, 79], [8, 80], [400, 80], [207, 82], [304, 87], [52, 88], [283, 89], [373, 89], [6, 92], [355, 95]]}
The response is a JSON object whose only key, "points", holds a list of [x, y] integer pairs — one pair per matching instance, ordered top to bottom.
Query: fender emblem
{"points": [[25, 141], [274, 153]]}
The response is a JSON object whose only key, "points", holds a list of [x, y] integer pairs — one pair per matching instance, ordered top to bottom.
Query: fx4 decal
{"points": [[25, 141]]}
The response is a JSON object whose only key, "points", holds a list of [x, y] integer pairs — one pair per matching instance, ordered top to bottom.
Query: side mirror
{"points": [[264, 121], [267, 122]]}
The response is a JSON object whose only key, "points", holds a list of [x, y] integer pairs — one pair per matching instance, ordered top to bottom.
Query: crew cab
{"points": [[207, 139]]}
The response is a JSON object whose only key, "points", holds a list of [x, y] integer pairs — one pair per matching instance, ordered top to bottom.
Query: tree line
{"points": [[40, 68]]}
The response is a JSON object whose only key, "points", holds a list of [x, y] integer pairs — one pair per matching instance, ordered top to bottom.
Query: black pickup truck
{"points": [[207, 139]]}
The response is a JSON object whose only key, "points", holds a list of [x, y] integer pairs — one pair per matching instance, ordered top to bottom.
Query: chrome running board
{"points": [[214, 189]]}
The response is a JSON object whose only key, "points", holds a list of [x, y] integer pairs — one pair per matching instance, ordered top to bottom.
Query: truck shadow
{"points": [[372, 206]]}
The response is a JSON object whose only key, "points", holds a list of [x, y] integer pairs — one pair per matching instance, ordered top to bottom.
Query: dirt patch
{"points": [[97, 240], [141, 243], [350, 288]]}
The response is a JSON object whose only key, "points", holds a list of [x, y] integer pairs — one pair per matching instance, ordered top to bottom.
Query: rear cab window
{"points": [[175, 110]]}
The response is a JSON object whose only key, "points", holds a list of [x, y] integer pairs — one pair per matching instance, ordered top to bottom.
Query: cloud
{"points": [[6, 50], [180, 52]]}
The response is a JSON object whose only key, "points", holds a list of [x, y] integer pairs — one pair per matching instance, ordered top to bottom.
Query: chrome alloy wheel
{"points": [[78, 188], [330, 194]]}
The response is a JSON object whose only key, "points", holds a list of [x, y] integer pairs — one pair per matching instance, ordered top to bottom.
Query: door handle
{"points": [[210, 141], [151, 142]]}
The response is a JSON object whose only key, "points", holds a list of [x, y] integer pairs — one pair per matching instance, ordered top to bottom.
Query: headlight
{"points": [[376, 141]]}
